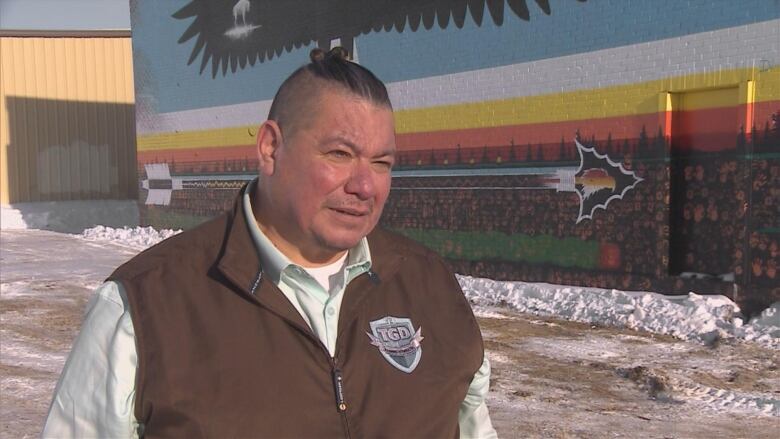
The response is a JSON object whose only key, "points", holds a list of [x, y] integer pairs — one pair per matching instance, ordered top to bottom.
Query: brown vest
{"points": [[223, 353]]}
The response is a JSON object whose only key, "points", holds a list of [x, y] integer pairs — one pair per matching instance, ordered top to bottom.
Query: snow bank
{"points": [[69, 216], [11, 219], [135, 237], [692, 317], [764, 328]]}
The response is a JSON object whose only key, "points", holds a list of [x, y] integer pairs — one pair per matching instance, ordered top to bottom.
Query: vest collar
{"points": [[238, 260], [240, 264]]}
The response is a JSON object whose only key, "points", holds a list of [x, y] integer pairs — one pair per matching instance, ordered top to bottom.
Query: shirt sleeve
{"points": [[95, 395], [473, 418]]}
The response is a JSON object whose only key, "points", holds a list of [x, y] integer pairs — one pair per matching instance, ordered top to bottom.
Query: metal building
{"points": [[67, 114]]}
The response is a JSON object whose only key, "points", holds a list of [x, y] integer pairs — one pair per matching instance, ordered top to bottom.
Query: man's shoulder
{"points": [[197, 245]]}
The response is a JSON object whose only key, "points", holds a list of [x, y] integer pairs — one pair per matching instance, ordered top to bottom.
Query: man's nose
{"points": [[361, 181]]}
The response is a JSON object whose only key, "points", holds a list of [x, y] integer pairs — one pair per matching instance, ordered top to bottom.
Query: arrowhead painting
{"points": [[599, 180]]}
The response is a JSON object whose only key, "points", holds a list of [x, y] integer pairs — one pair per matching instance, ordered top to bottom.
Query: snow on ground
{"points": [[133, 237], [46, 279], [692, 317]]}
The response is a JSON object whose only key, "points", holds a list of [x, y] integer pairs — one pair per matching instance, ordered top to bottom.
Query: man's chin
{"points": [[343, 241]]}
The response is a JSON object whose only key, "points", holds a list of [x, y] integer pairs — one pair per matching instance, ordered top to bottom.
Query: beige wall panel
{"points": [[4, 71], [68, 119]]}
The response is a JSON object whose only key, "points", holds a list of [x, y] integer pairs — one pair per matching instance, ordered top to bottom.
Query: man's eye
{"points": [[339, 154], [384, 164]]}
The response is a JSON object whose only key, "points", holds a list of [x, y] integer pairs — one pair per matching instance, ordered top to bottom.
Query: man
{"points": [[291, 315]]}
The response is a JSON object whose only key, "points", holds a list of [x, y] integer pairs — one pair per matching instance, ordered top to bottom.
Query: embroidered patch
{"points": [[398, 342]]}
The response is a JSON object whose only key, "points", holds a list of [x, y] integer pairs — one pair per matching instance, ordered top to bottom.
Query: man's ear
{"points": [[269, 139]]}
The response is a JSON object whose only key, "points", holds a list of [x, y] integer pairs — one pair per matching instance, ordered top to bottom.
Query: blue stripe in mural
{"points": [[568, 30]]}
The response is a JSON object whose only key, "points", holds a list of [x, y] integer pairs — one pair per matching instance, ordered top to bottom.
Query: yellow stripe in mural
{"points": [[616, 101], [221, 137]]}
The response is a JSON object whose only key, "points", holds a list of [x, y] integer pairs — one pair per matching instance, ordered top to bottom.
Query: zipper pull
{"points": [[338, 387]]}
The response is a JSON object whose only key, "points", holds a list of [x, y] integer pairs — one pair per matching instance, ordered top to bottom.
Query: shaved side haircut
{"points": [[331, 70]]}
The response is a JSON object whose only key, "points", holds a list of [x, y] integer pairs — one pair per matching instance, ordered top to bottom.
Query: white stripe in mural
{"points": [[731, 48], [251, 113]]}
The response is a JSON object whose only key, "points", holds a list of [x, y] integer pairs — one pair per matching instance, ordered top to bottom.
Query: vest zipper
{"points": [[338, 388]]}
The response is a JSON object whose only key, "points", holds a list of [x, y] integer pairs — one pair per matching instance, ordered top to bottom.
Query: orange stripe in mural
{"points": [[544, 133]]}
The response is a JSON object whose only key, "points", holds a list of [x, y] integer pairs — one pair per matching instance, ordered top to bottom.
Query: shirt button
{"points": [[331, 311]]}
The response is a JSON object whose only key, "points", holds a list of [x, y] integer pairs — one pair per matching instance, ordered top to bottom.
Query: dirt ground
{"points": [[551, 378], [559, 379]]}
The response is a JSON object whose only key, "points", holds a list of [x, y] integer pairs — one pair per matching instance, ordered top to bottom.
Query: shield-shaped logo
{"points": [[398, 342]]}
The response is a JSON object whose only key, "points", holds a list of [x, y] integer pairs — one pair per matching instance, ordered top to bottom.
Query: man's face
{"points": [[330, 177]]}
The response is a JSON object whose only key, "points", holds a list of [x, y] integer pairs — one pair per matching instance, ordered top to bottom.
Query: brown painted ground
{"points": [[551, 378]]}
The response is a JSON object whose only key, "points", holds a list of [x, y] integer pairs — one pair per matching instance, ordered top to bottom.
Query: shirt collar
{"points": [[274, 262]]}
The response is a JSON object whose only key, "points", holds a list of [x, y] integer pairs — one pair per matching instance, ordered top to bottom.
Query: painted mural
{"points": [[634, 155]]}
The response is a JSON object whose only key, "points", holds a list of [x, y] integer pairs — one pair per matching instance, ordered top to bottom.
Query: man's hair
{"points": [[326, 70]]}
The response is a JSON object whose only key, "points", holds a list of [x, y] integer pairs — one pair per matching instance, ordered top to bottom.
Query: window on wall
{"points": [[707, 183]]}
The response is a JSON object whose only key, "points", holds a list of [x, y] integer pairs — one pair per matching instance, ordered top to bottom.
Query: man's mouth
{"points": [[351, 212]]}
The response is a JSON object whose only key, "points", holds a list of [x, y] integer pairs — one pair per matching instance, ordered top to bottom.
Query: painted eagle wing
{"points": [[269, 28]]}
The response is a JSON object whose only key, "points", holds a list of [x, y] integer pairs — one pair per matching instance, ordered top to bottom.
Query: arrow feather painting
{"points": [[232, 35]]}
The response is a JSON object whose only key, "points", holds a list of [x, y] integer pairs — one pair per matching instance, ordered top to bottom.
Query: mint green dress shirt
{"points": [[95, 394]]}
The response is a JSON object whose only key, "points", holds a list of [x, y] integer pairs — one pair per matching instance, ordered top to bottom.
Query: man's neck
{"points": [[297, 255]]}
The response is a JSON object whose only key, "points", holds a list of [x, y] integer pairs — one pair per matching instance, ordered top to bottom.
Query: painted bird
{"points": [[269, 28]]}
